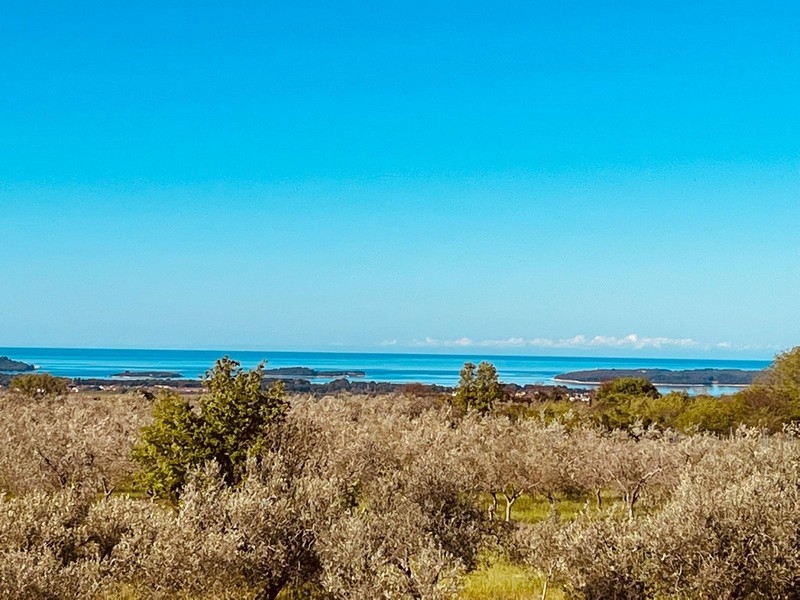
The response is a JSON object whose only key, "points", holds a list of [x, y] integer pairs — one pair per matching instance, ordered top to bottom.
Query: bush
{"points": [[38, 385], [626, 386], [715, 415], [232, 420], [728, 530]]}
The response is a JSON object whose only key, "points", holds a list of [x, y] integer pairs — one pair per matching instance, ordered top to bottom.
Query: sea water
{"points": [[442, 369]]}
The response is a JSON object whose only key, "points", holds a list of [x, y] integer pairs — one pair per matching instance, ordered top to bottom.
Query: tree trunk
{"points": [[634, 495], [599, 498], [633, 498], [509, 502], [552, 502], [493, 507], [405, 568], [270, 592]]}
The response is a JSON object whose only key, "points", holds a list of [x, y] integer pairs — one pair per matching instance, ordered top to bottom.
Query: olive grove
{"points": [[245, 492]]}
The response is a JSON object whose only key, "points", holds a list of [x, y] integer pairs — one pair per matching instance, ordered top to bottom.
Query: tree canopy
{"points": [[628, 386], [478, 387], [230, 421]]}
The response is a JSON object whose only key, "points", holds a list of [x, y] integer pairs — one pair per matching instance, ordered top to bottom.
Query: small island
{"points": [[6, 364], [306, 372], [284, 373], [148, 375], [689, 377]]}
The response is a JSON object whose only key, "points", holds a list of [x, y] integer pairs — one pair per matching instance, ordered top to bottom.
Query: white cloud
{"points": [[631, 341], [430, 342], [465, 342], [513, 342]]}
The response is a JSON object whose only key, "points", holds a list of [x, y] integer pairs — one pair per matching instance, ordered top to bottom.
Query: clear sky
{"points": [[529, 177]]}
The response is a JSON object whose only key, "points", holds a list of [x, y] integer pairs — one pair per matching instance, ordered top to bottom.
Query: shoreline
{"points": [[367, 371], [663, 385]]}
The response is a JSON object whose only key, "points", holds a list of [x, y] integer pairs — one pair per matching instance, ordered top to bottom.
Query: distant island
{"points": [[6, 364], [306, 372], [283, 373], [149, 374], [707, 377]]}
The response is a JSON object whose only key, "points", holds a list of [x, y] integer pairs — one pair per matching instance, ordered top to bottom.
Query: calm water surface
{"points": [[441, 369]]}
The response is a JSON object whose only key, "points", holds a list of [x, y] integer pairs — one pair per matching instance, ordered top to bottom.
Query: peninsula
{"points": [[6, 364], [689, 377]]}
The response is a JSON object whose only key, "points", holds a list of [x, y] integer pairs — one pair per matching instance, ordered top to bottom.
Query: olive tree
{"points": [[67, 441], [413, 535]]}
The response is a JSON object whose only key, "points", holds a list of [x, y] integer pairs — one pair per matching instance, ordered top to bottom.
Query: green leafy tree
{"points": [[783, 375], [780, 382], [628, 386], [478, 387], [487, 387], [465, 391], [774, 397], [620, 403], [664, 412], [714, 415], [231, 421], [169, 447]]}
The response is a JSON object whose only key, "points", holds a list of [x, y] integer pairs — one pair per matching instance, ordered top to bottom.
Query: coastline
{"points": [[375, 369], [661, 385]]}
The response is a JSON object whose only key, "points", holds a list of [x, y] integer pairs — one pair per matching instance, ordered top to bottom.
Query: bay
{"points": [[442, 369]]}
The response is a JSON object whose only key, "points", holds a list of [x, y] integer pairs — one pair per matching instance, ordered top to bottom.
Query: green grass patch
{"points": [[534, 509], [502, 580]]}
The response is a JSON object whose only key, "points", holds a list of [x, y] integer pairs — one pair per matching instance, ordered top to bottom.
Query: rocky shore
{"points": [[9, 365]]}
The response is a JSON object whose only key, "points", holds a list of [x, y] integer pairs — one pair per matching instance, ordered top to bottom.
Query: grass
{"points": [[529, 509], [534, 509], [502, 580]]}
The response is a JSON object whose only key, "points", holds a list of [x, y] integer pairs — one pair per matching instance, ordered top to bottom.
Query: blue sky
{"points": [[534, 178]]}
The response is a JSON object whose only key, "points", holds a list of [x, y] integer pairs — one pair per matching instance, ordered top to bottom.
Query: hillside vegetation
{"points": [[245, 492]]}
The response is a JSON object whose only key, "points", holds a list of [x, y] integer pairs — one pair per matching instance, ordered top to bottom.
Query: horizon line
{"points": [[408, 352]]}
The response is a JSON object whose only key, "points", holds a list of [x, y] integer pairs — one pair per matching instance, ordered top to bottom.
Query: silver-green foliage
{"points": [[728, 530]]}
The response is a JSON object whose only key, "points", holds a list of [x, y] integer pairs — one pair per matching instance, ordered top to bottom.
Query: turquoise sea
{"points": [[441, 369]]}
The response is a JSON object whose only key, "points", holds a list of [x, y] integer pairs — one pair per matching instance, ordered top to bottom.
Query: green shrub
{"points": [[38, 385], [626, 386], [715, 415], [231, 420]]}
